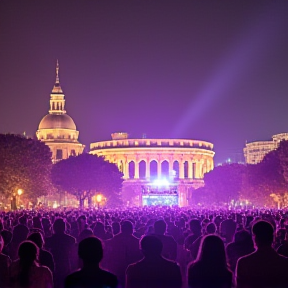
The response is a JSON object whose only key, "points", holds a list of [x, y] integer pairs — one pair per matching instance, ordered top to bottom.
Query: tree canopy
{"points": [[26, 164], [85, 175], [269, 178], [260, 184], [222, 185]]}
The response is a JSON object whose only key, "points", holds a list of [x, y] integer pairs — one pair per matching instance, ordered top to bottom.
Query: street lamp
{"points": [[98, 200]]}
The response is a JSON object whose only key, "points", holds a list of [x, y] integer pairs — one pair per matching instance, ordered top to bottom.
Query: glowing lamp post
{"points": [[98, 200]]}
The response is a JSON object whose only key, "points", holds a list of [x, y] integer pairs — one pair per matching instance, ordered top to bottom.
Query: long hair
{"points": [[28, 253], [212, 253]]}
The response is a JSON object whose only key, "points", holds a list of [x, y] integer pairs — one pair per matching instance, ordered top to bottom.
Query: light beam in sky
{"points": [[247, 50]]}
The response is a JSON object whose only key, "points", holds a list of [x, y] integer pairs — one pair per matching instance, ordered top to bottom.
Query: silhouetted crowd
{"points": [[145, 247]]}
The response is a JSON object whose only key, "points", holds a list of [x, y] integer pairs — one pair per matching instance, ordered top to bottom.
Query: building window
{"points": [[59, 154]]}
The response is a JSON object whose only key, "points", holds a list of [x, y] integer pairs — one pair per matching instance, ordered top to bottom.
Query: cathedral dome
{"points": [[57, 121]]}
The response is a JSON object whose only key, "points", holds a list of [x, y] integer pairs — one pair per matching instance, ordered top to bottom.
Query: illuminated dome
{"points": [[56, 121]]}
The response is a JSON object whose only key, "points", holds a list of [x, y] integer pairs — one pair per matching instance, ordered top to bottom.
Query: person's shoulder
{"points": [[69, 238], [169, 238], [49, 239], [230, 246], [45, 254], [4, 257], [247, 258], [283, 259], [170, 263], [133, 266], [194, 266], [44, 269], [107, 274], [74, 275], [73, 278], [108, 278]]}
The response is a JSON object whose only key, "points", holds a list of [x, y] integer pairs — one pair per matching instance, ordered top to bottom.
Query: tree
{"points": [[25, 164], [87, 174], [268, 179], [223, 184]]}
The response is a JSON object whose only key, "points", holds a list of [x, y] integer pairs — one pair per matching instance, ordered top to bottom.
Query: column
{"points": [[170, 162], [121, 166], [211, 166], [204, 167], [126, 169], [158, 169], [181, 169], [190, 169], [198, 169], [147, 172], [136, 174]]}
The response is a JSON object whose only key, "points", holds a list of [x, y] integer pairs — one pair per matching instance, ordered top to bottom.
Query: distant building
{"points": [[57, 129], [254, 152], [157, 171]]}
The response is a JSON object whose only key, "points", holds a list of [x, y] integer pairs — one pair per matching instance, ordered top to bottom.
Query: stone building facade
{"points": [[57, 129], [254, 152], [146, 164]]}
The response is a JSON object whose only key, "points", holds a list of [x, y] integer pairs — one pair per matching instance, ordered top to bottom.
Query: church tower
{"points": [[57, 129]]}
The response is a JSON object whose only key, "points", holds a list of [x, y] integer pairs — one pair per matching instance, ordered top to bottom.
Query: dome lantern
{"points": [[57, 129]]}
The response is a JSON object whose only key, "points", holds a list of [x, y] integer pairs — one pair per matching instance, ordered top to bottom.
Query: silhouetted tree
{"points": [[25, 164], [85, 175], [268, 179], [222, 184]]}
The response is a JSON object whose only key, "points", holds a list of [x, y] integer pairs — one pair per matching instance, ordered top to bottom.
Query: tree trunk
{"points": [[89, 201], [81, 202]]}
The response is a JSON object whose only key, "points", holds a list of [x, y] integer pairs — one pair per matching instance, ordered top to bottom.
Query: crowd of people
{"points": [[144, 247]]}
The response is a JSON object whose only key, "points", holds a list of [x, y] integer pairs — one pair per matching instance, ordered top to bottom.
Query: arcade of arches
{"points": [[143, 160]]}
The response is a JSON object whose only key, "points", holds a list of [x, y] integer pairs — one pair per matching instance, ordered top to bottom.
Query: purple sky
{"points": [[204, 70]]}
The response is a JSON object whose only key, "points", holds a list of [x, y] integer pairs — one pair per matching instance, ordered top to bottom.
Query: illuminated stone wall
{"points": [[57, 129], [64, 140], [254, 152], [190, 159]]}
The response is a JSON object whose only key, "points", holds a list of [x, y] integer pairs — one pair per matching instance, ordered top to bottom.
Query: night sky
{"points": [[204, 70]]}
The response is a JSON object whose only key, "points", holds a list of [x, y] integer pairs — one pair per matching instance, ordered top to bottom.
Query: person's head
{"points": [[22, 220], [81, 221], [37, 222], [205, 222], [46, 223], [59, 226], [195, 226], [127, 227], [160, 227], [99, 228], [115, 228], [211, 228], [85, 233], [263, 233], [280, 234], [7, 236], [243, 236], [36, 238], [151, 246], [90, 250], [212, 251], [28, 252]]}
